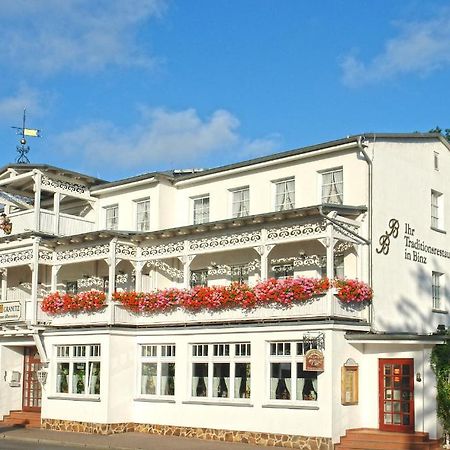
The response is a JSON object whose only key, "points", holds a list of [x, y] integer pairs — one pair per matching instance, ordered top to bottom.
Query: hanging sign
{"points": [[10, 311], [314, 361]]}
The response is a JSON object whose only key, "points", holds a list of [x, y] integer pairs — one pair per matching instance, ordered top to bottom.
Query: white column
{"points": [[37, 201], [56, 204], [263, 251], [111, 261], [187, 261], [34, 266], [139, 266], [54, 277], [4, 284]]}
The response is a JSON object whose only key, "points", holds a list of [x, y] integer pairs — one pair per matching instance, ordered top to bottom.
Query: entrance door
{"points": [[396, 384], [32, 393]]}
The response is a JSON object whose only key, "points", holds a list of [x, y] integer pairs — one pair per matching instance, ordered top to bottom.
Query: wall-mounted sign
{"points": [[415, 248], [10, 311], [314, 361], [349, 384]]}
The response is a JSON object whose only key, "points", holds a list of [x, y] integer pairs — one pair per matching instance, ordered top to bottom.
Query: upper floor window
{"points": [[333, 186], [284, 194], [240, 202], [201, 209], [437, 210], [143, 215], [112, 217], [338, 266], [239, 274], [199, 277], [436, 289], [78, 369]]}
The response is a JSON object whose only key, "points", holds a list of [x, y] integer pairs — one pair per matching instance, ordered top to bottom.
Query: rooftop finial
{"points": [[23, 148]]}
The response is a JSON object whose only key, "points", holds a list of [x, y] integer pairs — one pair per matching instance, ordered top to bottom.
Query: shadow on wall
{"points": [[414, 314]]}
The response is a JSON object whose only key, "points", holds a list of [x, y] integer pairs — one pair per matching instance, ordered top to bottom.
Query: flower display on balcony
{"points": [[272, 291], [352, 291], [283, 292], [60, 303]]}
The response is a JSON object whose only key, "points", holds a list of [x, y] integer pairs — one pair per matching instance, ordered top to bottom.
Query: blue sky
{"points": [[120, 87]]}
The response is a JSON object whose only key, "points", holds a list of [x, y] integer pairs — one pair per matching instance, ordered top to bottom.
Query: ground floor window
{"points": [[78, 369], [157, 369], [221, 370], [288, 379]]}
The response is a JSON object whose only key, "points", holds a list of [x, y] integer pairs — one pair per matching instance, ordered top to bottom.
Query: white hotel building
{"points": [[373, 208]]}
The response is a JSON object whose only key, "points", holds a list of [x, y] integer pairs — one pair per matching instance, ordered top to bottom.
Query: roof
{"points": [[48, 168], [395, 337]]}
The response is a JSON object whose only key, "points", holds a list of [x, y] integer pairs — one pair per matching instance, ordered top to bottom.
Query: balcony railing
{"points": [[24, 221], [325, 306]]}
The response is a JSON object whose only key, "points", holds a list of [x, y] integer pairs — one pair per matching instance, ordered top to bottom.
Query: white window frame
{"points": [[332, 191], [284, 194], [240, 202], [437, 210], [200, 214], [112, 222], [143, 224], [437, 290], [231, 353], [290, 353], [71, 355], [158, 355]]}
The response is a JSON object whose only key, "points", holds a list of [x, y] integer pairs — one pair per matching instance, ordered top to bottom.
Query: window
{"points": [[436, 161], [333, 186], [284, 195], [240, 202], [437, 207], [201, 210], [143, 215], [112, 217], [338, 267], [281, 272], [239, 274], [199, 277], [72, 287], [436, 289], [78, 369], [221, 370], [157, 371], [288, 381]]}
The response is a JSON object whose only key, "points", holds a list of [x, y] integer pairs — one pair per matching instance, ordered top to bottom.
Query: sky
{"points": [[119, 88]]}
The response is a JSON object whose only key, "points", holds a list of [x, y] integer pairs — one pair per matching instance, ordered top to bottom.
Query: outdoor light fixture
{"points": [[42, 376], [418, 377]]}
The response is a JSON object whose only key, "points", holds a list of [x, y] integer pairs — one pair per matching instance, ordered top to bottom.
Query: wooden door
{"points": [[32, 391], [396, 394]]}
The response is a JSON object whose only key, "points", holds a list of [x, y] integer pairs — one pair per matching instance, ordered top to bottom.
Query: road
{"points": [[8, 444]]}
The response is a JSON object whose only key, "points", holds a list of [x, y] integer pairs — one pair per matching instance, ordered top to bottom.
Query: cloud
{"points": [[80, 35], [420, 48], [11, 108], [161, 140]]}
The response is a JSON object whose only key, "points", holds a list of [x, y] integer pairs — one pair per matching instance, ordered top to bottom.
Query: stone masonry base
{"points": [[265, 439]]}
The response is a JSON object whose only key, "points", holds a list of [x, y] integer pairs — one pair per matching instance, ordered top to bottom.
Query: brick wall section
{"points": [[264, 439]]}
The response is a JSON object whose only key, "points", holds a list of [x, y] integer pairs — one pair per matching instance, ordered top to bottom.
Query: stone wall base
{"points": [[248, 437]]}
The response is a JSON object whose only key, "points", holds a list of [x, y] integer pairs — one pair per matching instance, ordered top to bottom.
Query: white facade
{"points": [[371, 208]]}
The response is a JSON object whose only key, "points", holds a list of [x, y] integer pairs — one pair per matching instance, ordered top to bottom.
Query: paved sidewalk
{"points": [[124, 441]]}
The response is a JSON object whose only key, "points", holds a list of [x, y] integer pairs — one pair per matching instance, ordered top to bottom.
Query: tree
{"points": [[445, 133], [440, 363]]}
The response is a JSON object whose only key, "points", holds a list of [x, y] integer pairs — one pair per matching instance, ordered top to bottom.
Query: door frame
{"points": [[30, 378], [381, 395]]}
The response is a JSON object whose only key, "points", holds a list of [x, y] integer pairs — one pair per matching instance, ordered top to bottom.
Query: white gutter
{"points": [[261, 165], [120, 187]]}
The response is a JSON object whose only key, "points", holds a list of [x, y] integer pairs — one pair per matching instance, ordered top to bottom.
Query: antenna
{"points": [[23, 148]]}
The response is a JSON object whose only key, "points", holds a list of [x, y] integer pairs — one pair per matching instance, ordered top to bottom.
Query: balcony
{"points": [[24, 221], [324, 306]]}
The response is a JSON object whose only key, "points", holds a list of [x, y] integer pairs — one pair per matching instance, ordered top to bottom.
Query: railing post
{"points": [[56, 205], [111, 261], [34, 266], [4, 273]]}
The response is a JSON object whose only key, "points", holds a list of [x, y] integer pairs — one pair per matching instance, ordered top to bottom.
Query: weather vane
{"points": [[23, 148]]}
